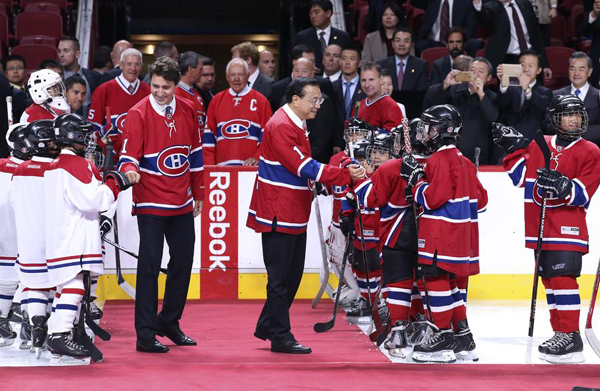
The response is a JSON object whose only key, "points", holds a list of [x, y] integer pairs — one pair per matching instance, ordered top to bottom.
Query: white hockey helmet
{"points": [[46, 87]]}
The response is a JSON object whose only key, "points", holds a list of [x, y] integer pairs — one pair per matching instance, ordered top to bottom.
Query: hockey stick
{"points": [[9, 111], [541, 142], [477, 153], [130, 253], [325, 278], [322, 327], [589, 331], [82, 337]]}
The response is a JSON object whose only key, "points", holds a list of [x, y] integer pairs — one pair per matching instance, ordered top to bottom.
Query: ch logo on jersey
{"points": [[120, 122], [236, 129], [174, 161], [551, 200]]}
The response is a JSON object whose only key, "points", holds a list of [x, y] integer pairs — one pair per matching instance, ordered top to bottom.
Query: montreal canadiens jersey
{"points": [[188, 92], [114, 95], [36, 112], [382, 112], [235, 127], [167, 152], [338, 192], [451, 197], [29, 200], [370, 221], [565, 226], [8, 234]]}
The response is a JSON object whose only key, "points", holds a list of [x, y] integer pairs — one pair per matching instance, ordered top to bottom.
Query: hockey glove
{"points": [[508, 138], [347, 161], [411, 171], [120, 179], [554, 181], [321, 189], [351, 199], [347, 223], [105, 226]]}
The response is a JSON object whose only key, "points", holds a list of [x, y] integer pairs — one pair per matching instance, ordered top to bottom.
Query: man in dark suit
{"points": [[437, 22], [591, 28], [514, 29], [322, 33], [456, 45], [118, 48], [248, 52], [580, 69], [412, 71], [207, 80], [477, 107], [524, 107]]}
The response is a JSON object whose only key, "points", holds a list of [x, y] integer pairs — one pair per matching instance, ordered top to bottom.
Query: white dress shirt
{"points": [[326, 36], [252, 78], [584, 90]]}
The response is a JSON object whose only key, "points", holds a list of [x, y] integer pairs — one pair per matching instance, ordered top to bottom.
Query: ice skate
{"points": [[95, 311], [384, 312], [361, 313], [17, 314], [418, 330], [25, 333], [7, 335], [38, 335], [396, 342], [465, 345], [437, 348], [542, 349], [567, 349], [65, 351]]}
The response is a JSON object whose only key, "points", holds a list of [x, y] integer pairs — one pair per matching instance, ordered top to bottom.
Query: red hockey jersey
{"points": [[189, 92], [115, 95], [36, 112], [382, 112], [235, 127], [168, 155], [338, 192], [451, 197], [281, 199], [370, 220], [565, 227]]}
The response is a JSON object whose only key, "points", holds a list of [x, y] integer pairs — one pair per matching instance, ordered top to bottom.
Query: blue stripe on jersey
{"points": [[253, 130], [208, 139], [196, 160], [311, 169], [517, 172], [279, 174], [361, 193], [420, 197], [580, 198], [346, 205], [154, 207], [460, 210], [389, 211], [279, 223], [545, 241], [443, 259], [77, 263], [8, 264], [33, 271], [5, 297], [570, 299]]}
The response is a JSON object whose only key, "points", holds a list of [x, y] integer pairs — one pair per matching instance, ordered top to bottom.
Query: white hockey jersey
{"points": [[8, 236]]}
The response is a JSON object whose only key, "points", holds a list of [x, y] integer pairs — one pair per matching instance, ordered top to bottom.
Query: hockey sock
{"points": [[374, 279], [462, 282], [7, 292], [566, 295], [51, 296], [68, 299], [398, 300], [440, 300], [37, 302], [416, 302], [460, 310], [554, 319]]}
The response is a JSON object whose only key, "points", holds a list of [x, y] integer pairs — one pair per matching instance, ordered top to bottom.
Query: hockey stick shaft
{"points": [[9, 111], [130, 253], [325, 264], [589, 330]]}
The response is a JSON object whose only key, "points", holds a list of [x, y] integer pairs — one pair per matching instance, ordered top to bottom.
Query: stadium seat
{"points": [[8, 4], [62, 4], [43, 7], [415, 20], [575, 21], [38, 23], [559, 31], [361, 33], [4, 35], [38, 40], [480, 53], [35, 54], [432, 54], [558, 60]]}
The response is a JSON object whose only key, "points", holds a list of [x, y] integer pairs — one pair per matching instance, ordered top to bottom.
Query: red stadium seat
{"points": [[8, 4], [62, 4], [43, 7], [415, 20], [575, 20], [38, 23], [559, 31], [361, 33], [4, 35], [38, 40], [480, 53], [35, 54], [432, 54], [558, 60]]}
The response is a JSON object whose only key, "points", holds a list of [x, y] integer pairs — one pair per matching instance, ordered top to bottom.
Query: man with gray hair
{"points": [[190, 66], [118, 96]]}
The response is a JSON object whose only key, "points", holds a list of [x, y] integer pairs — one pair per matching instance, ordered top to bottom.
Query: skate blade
{"points": [[358, 320], [6, 342], [25, 345], [397, 352], [467, 355], [542, 356], [442, 357], [571, 358], [62, 360]]}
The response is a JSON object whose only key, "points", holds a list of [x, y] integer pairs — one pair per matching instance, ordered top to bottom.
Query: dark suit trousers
{"points": [[180, 236], [284, 259]]}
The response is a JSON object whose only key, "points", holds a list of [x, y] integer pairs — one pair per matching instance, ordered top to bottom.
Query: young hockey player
{"points": [[46, 89], [570, 183], [451, 196]]}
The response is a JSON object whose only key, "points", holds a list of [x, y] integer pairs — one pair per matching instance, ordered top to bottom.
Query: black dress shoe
{"points": [[263, 335], [177, 336], [150, 346], [291, 347]]}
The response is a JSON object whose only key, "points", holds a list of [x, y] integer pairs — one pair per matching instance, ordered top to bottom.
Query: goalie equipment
{"points": [[45, 87], [570, 106], [440, 125], [71, 129], [357, 129], [41, 134], [508, 138], [16, 139], [382, 149], [120, 178], [554, 181]]}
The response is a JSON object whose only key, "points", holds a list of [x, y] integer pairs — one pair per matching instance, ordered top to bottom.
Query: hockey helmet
{"points": [[46, 87], [569, 117], [440, 125], [71, 129], [357, 129], [40, 134], [16, 138], [359, 148], [383, 148]]}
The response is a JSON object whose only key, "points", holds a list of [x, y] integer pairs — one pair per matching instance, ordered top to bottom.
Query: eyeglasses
{"points": [[15, 68], [314, 101]]}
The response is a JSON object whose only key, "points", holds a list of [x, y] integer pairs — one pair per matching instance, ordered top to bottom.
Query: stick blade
{"points": [[128, 289], [323, 327], [593, 340], [529, 350]]}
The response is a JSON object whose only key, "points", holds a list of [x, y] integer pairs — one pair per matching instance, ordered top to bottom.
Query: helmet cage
{"points": [[570, 134]]}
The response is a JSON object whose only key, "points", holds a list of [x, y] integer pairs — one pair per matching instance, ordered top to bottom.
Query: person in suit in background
{"points": [[440, 17], [591, 28], [322, 33], [455, 42], [378, 44], [248, 52], [115, 56], [102, 61], [267, 64], [332, 67], [580, 70], [409, 73], [207, 80], [75, 93], [524, 107]]}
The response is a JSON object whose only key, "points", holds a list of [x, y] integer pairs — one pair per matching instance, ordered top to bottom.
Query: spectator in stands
{"points": [[545, 11], [591, 28], [322, 33], [509, 35], [455, 42], [378, 44], [118, 48], [165, 48], [248, 52], [68, 56], [102, 61], [266, 63], [53, 65], [190, 66], [332, 67], [14, 69], [580, 70], [409, 73], [207, 81], [387, 86], [347, 88], [76, 92], [476, 104], [524, 106], [378, 109], [236, 121]]}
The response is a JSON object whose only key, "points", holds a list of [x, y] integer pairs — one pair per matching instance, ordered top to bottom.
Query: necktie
{"points": [[444, 21], [518, 28], [322, 40], [400, 74], [131, 88], [577, 92], [348, 99], [522, 99], [168, 112]]}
